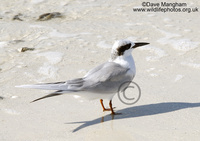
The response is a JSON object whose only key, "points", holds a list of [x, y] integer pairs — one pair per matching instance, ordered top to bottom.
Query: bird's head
{"points": [[124, 48]]}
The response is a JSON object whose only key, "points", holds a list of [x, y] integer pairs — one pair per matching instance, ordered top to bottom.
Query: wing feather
{"points": [[107, 71]]}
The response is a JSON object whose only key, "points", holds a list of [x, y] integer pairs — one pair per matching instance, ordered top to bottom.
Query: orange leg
{"points": [[110, 104], [111, 108], [104, 109]]}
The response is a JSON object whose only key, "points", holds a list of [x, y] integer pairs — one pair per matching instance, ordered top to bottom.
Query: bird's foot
{"points": [[108, 109], [114, 113]]}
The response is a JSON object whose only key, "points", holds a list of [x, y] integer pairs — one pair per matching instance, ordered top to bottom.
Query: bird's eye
{"points": [[128, 46]]}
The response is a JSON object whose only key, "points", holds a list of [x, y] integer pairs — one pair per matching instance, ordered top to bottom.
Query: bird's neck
{"points": [[125, 61]]}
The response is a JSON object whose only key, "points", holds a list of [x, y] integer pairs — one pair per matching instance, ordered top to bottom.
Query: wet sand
{"points": [[67, 47]]}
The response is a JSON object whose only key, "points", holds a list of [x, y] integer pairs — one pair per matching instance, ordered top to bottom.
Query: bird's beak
{"points": [[139, 44]]}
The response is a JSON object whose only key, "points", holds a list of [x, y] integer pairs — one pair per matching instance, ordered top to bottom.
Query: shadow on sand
{"points": [[1, 97], [139, 111]]}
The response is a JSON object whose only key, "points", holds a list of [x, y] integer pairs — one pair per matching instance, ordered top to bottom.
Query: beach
{"points": [[67, 44]]}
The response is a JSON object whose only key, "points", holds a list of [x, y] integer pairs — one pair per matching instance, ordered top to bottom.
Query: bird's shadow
{"points": [[139, 111]]}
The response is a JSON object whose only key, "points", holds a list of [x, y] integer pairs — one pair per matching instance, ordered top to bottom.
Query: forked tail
{"points": [[61, 87], [56, 93]]}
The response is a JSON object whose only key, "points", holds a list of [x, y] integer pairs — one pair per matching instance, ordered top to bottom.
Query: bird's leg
{"points": [[101, 101], [110, 104], [104, 109], [112, 111]]}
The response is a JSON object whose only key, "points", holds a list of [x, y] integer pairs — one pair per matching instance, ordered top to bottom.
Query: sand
{"points": [[67, 47]]}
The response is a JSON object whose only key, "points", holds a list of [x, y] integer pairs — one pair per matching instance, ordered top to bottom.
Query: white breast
{"points": [[127, 62]]}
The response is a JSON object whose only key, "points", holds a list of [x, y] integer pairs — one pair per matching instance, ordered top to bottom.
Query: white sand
{"points": [[168, 71]]}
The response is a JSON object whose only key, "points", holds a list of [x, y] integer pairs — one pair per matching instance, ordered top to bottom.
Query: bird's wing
{"points": [[94, 70], [108, 71], [104, 73]]}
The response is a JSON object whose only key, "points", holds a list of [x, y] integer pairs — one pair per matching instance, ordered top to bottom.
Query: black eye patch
{"points": [[122, 49]]}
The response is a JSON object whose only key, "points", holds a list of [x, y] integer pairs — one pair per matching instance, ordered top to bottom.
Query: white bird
{"points": [[101, 82]]}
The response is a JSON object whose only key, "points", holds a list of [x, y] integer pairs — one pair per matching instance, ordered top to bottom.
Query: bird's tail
{"points": [[61, 87], [56, 93]]}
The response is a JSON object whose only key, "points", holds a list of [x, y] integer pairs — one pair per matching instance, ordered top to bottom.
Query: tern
{"points": [[101, 82]]}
